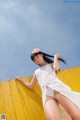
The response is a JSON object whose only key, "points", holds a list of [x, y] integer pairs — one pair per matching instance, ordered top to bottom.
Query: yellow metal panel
{"points": [[71, 77], [17, 101], [32, 101], [8, 102], [2, 103], [20, 103]]}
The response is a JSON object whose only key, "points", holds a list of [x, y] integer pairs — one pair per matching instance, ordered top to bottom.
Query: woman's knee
{"points": [[51, 110], [76, 116], [50, 117], [53, 117]]}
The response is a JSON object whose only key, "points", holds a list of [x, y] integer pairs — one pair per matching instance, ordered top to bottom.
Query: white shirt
{"points": [[46, 76]]}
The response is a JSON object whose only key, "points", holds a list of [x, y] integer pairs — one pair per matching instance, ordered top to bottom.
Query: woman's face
{"points": [[38, 59]]}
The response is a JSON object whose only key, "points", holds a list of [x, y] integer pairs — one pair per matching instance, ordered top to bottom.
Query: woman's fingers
{"points": [[57, 55], [18, 78]]}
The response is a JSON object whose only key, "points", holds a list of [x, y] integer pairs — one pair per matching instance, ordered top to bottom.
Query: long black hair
{"points": [[46, 57]]}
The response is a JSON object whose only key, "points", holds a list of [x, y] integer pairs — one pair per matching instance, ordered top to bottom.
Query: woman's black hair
{"points": [[46, 57]]}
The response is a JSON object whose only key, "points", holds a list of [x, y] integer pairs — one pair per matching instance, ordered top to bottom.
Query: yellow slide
{"points": [[19, 103]]}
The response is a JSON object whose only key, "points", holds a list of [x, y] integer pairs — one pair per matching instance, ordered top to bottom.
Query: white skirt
{"points": [[64, 90]]}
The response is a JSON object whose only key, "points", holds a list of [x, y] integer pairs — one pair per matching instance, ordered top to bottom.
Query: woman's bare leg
{"points": [[69, 106], [51, 109]]}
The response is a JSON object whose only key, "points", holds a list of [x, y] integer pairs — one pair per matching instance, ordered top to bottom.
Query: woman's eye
{"points": [[36, 56]]}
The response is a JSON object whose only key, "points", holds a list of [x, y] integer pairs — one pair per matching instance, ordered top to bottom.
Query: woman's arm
{"points": [[56, 64], [28, 85]]}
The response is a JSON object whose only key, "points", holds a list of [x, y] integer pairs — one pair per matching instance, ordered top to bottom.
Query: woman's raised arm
{"points": [[56, 64]]}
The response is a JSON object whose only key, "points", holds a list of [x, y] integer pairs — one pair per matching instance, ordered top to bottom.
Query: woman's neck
{"points": [[44, 63]]}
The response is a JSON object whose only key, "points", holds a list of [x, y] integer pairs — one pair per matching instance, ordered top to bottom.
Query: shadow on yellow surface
{"points": [[20, 103]]}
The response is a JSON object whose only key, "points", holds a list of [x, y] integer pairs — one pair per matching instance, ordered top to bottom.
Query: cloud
{"points": [[11, 6], [32, 17], [6, 26], [52, 26], [51, 30]]}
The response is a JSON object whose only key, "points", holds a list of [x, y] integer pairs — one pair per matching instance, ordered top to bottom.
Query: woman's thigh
{"points": [[69, 106], [51, 109]]}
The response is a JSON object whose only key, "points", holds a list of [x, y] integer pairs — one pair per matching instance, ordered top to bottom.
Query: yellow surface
{"points": [[20, 103]]}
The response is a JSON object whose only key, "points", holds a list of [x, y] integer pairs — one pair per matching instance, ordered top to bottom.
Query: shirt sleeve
{"points": [[35, 73]]}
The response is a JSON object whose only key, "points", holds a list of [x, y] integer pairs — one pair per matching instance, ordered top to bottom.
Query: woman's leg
{"points": [[69, 106], [51, 109]]}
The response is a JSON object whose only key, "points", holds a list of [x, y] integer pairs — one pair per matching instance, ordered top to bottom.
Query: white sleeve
{"points": [[35, 73]]}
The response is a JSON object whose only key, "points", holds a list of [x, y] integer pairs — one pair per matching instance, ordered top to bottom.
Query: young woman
{"points": [[54, 91]]}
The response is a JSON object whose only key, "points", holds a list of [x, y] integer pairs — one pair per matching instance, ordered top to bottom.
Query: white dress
{"points": [[46, 76]]}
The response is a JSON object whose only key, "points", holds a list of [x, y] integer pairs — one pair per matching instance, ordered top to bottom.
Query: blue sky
{"points": [[51, 25]]}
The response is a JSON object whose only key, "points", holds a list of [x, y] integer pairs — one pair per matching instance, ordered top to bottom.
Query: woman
{"points": [[54, 91]]}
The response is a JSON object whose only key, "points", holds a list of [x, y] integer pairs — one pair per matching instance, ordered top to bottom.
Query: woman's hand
{"points": [[57, 55], [56, 64], [18, 78], [28, 85]]}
